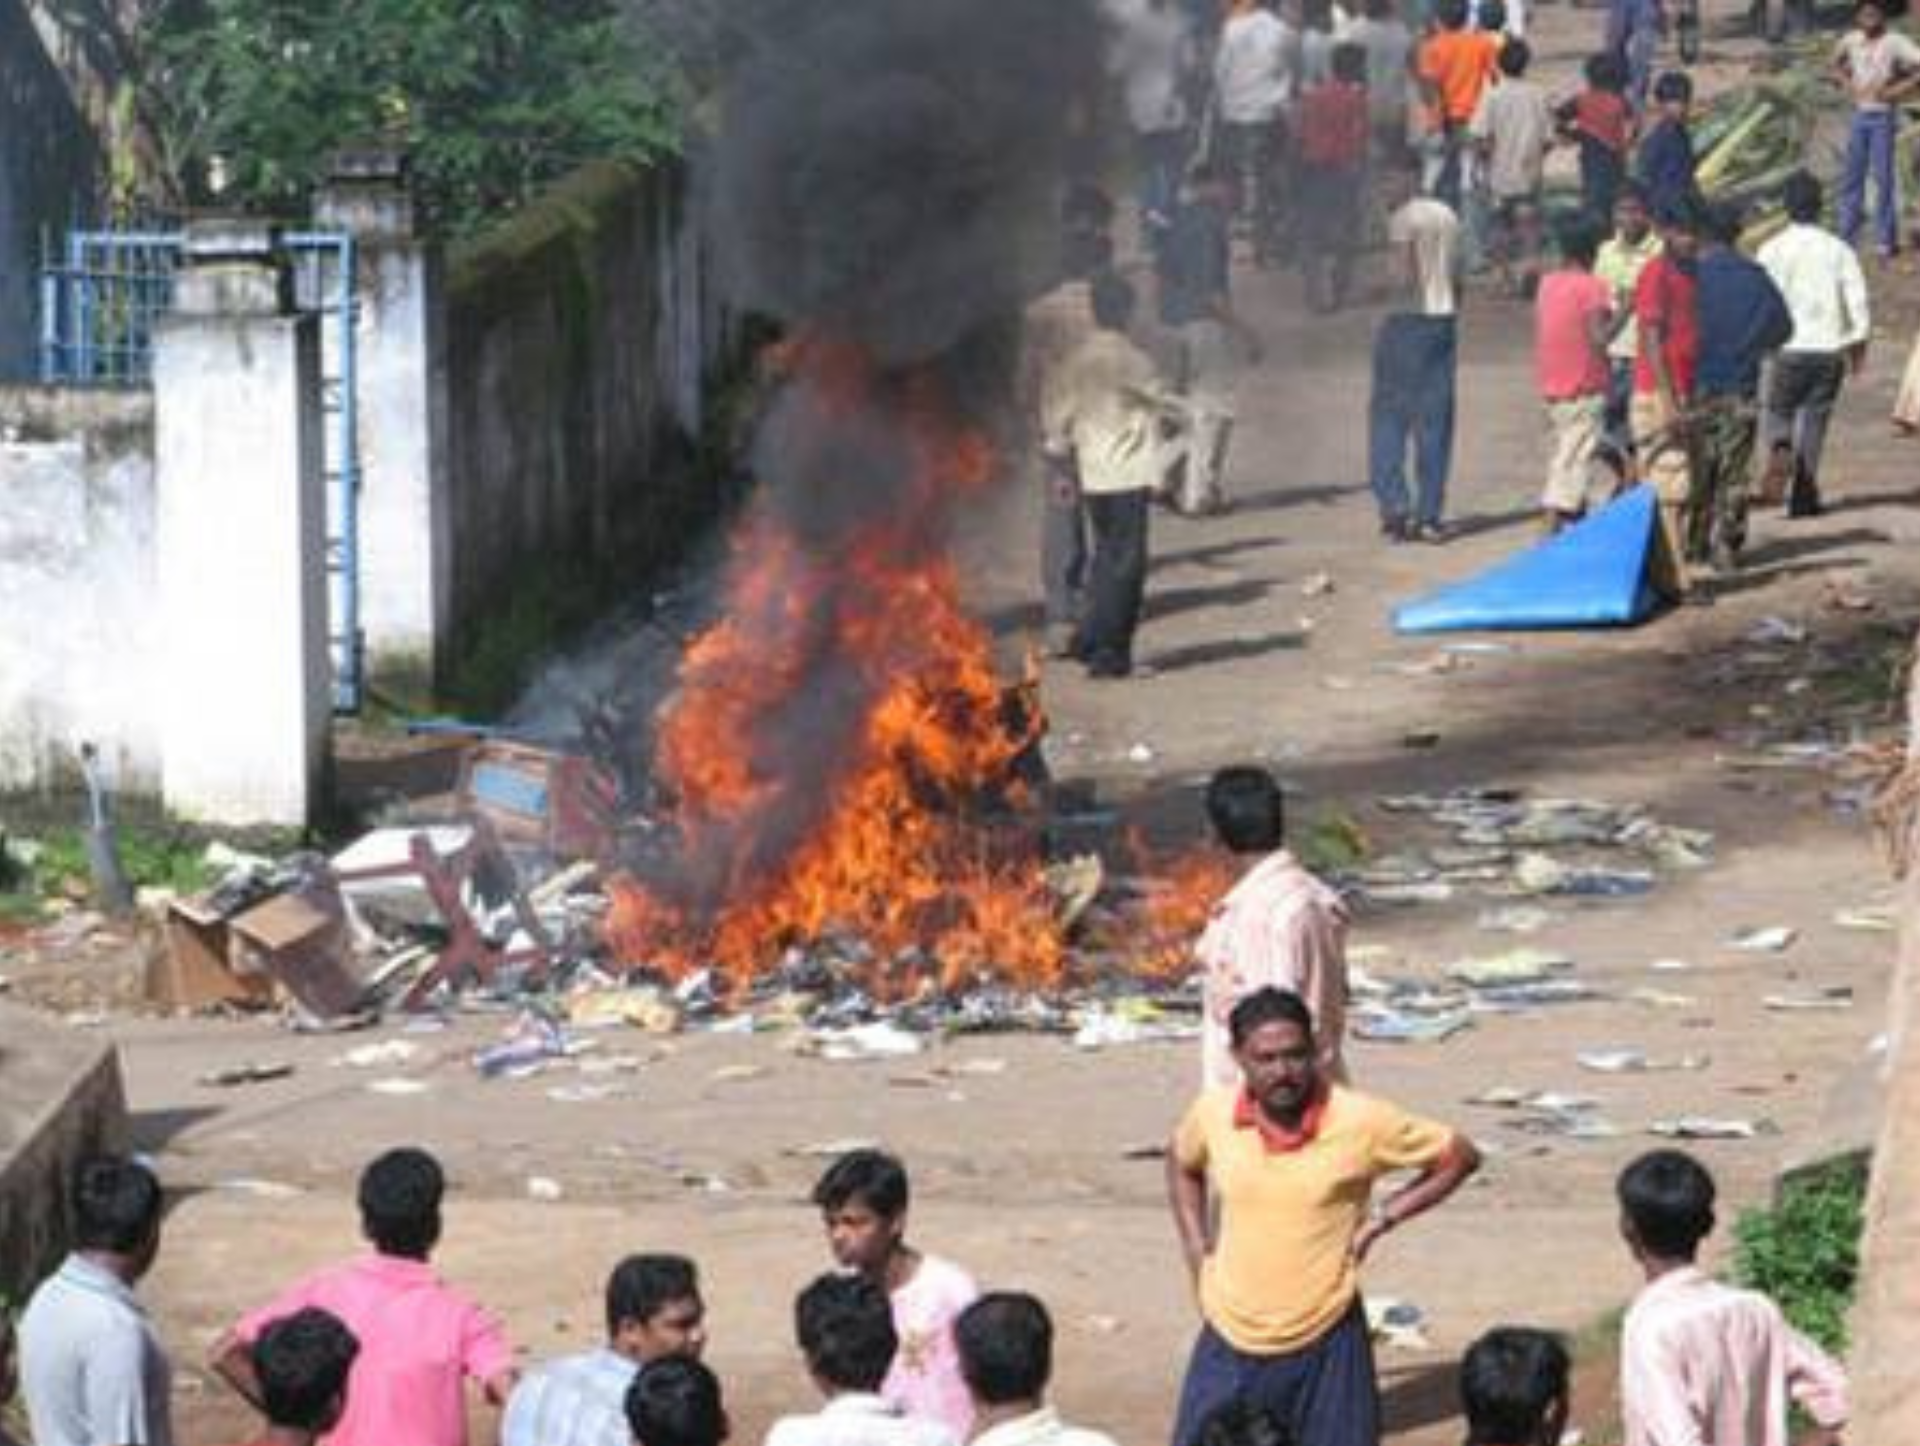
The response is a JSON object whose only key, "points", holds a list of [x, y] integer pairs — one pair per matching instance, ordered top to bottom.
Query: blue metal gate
{"points": [[98, 308]]}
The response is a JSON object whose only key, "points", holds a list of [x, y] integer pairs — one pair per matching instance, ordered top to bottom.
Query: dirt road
{"points": [[1021, 1147]]}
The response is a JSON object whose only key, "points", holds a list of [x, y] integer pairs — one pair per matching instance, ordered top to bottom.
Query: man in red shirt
{"points": [[1334, 125], [1666, 309], [1573, 322], [301, 1363]]}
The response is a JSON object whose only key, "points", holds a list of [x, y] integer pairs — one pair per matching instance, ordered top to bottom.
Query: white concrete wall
{"points": [[241, 566], [78, 625]]}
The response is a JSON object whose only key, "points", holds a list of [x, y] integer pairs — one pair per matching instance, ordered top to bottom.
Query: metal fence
{"points": [[98, 309]]}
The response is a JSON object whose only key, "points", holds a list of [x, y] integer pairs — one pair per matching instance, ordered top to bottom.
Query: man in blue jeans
{"points": [[1880, 68], [1415, 354]]}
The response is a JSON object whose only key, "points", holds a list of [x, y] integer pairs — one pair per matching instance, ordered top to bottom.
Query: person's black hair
{"points": [[1452, 14], [1493, 16], [1515, 56], [1350, 63], [1606, 71], [1673, 85], [1631, 190], [1803, 198], [1086, 206], [1680, 216], [1721, 222], [1579, 237], [1085, 254], [1113, 302], [1246, 810], [1267, 1006], [872, 1178], [400, 1195], [1667, 1197], [116, 1205], [641, 1286], [844, 1326], [1005, 1343], [301, 1362], [1512, 1381], [676, 1402], [1241, 1422]]}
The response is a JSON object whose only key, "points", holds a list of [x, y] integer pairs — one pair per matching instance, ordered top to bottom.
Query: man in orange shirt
{"points": [[1455, 67], [1290, 1159]]}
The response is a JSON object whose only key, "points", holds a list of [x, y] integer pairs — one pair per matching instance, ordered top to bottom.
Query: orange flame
{"points": [[869, 821]]}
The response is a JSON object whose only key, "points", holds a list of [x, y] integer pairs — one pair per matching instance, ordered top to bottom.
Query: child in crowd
{"points": [[1455, 66], [1880, 68], [1600, 121], [1512, 128], [1333, 131], [1666, 151], [1624, 256], [1575, 318], [863, 1199], [1702, 1361], [301, 1363], [1515, 1388], [677, 1402]]}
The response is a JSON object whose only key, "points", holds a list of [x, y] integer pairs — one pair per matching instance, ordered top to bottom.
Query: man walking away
{"points": [[1634, 28], [1384, 35], [1153, 58], [1455, 65], [1880, 68], [1253, 83], [1601, 123], [1512, 130], [1334, 133], [1666, 171], [1621, 260], [1195, 281], [1826, 291], [1666, 314], [1743, 318], [1574, 322], [1415, 356], [1107, 415], [1279, 927], [1289, 1161], [863, 1199], [653, 1312], [844, 1327], [420, 1339], [1006, 1354], [302, 1364], [1703, 1364], [91, 1366], [1515, 1388], [676, 1402]]}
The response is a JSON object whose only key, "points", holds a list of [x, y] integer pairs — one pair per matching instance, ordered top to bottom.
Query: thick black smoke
{"points": [[887, 170]]}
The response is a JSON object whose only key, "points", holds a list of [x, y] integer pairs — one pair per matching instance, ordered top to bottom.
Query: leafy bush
{"points": [[492, 98], [1805, 1251]]}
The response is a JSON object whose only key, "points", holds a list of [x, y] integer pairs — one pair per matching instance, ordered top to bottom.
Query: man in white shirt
{"points": [[1152, 56], [1254, 82], [1826, 292], [1415, 358], [654, 1312], [844, 1324], [1006, 1356], [91, 1365]]}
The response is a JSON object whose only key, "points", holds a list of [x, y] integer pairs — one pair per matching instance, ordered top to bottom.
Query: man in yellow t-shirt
{"points": [[1290, 1160]]}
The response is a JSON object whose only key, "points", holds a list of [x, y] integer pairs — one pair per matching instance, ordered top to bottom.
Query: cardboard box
{"points": [[192, 970]]}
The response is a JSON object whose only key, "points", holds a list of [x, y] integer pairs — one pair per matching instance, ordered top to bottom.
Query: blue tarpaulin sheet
{"points": [[1597, 573]]}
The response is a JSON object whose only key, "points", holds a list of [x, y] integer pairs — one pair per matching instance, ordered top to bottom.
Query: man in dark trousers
{"points": [[1106, 411]]}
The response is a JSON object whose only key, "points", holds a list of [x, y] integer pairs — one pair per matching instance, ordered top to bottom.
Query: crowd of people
{"points": [[1309, 136]]}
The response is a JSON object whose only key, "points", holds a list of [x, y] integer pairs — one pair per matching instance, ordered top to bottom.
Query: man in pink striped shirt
{"points": [[1279, 927], [1701, 1363]]}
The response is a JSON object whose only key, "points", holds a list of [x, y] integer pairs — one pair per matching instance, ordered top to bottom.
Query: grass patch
{"points": [[51, 863], [1804, 1251]]}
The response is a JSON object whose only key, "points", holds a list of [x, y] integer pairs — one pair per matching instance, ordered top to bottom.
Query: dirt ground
{"points": [[1025, 1150]]}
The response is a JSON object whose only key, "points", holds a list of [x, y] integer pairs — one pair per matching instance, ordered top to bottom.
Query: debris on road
{"points": [[1774, 939], [1839, 997], [245, 1074], [1706, 1127]]}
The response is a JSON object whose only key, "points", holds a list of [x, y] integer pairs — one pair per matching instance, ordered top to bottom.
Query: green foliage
{"points": [[492, 98], [1334, 842], [161, 857], [1805, 1251]]}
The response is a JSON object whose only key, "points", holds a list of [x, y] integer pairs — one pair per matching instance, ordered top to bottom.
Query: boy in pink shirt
{"points": [[1573, 322], [863, 1200], [420, 1340], [1701, 1363]]}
